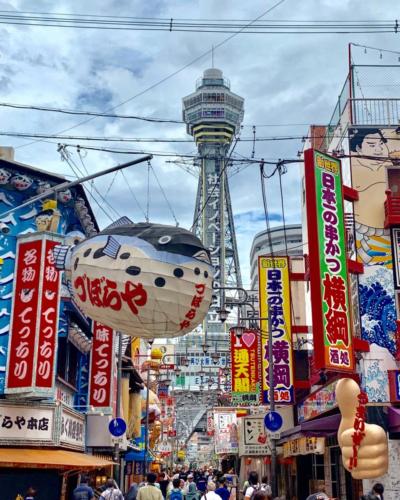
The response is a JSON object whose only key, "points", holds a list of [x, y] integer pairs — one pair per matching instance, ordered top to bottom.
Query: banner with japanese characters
{"points": [[274, 296], [34, 318], [332, 325], [102, 359], [245, 376], [225, 431], [253, 438]]}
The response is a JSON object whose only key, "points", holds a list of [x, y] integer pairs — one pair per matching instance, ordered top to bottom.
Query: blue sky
{"points": [[285, 80]]}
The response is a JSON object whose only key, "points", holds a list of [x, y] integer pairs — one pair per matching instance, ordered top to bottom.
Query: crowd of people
{"points": [[201, 484]]}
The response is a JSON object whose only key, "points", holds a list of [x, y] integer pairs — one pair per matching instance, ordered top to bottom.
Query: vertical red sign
{"points": [[48, 322], [21, 348], [101, 366], [245, 376]]}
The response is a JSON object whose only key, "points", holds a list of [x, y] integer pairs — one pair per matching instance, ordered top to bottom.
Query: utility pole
{"points": [[146, 430], [117, 467], [274, 482]]}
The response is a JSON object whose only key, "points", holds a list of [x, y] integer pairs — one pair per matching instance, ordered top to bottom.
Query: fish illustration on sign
{"points": [[5, 176], [21, 182], [146, 280]]}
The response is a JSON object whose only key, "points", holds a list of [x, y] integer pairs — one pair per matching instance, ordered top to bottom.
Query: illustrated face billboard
{"points": [[375, 167], [274, 296], [332, 326], [245, 353]]}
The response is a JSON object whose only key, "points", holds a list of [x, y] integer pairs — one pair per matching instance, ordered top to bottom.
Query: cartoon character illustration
{"points": [[5, 176], [21, 182], [43, 186], [64, 196], [48, 218], [146, 280]]}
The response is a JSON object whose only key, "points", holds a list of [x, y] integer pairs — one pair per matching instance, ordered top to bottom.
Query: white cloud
{"points": [[283, 78]]}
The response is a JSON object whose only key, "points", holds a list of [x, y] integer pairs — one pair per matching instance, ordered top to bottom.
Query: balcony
{"points": [[376, 112], [392, 210]]}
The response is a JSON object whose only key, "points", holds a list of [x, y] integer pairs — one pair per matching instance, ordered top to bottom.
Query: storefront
{"points": [[42, 446]]}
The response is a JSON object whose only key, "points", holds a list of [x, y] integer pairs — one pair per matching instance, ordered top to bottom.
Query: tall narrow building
{"points": [[213, 115]]}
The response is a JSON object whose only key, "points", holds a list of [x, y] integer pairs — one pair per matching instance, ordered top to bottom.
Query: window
{"points": [[67, 361]]}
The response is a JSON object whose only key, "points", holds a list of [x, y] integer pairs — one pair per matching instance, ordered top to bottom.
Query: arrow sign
{"points": [[117, 427]]}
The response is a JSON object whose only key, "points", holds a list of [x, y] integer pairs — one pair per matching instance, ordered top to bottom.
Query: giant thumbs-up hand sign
{"points": [[364, 446]]}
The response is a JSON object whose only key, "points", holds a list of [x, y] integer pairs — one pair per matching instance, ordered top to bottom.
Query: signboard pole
{"points": [[272, 402], [118, 406], [146, 438]]}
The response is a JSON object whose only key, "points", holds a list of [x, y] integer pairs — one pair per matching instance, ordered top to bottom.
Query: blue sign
{"points": [[273, 421], [117, 427]]}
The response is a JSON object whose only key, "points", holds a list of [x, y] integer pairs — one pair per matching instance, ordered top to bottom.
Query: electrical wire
{"points": [[193, 25], [170, 75], [32, 107], [132, 193], [165, 196]]}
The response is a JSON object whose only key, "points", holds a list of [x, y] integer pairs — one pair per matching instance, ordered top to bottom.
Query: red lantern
{"points": [[267, 460], [248, 461]]}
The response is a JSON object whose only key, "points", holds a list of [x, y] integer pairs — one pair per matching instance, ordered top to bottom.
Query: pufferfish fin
{"points": [[120, 222], [112, 248], [62, 255]]}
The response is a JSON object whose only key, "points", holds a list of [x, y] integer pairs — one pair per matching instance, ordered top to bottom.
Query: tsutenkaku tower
{"points": [[213, 115]]}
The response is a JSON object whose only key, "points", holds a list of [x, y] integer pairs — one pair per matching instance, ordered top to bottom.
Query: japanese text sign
{"points": [[328, 263], [274, 293], [33, 330], [245, 353], [101, 367], [20, 423], [225, 431], [253, 439]]}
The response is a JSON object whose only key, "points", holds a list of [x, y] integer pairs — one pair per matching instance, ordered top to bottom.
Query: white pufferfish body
{"points": [[146, 280]]}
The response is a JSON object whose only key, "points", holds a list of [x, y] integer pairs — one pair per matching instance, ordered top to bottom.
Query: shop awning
{"points": [[394, 419], [319, 427], [137, 456], [50, 459]]}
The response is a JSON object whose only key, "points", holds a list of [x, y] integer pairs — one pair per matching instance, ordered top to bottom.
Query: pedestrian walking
{"points": [[163, 481], [265, 486], [253, 487], [222, 489], [190, 490], [83, 491], [150, 491], [112, 492], [132, 492], [176, 492], [376, 493], [31, 494], [320, 494], [211, 495]]}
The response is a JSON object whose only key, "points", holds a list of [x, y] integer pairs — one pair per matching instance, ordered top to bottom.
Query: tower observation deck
{"points": [[213, 115]]}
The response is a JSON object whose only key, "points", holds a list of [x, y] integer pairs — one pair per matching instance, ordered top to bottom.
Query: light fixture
{"points": [[223, 314], [238, 330], [205, 347], [215, 357], [185, 362], [178, 370], [166, 382]]}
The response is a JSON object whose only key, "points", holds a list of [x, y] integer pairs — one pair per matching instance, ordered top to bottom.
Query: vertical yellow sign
{"points": [[274, 296]]}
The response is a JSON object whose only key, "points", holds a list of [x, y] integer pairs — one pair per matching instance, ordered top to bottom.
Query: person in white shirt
{"points": [[253, 487], [211, 495]]}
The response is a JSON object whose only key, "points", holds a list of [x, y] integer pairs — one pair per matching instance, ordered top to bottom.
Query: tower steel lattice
{"points": [[213, 115]]}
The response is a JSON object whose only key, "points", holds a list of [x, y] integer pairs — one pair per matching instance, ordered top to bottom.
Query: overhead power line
{"points": [[256, 26], [174, 73], [32, 107], [161, 139]]}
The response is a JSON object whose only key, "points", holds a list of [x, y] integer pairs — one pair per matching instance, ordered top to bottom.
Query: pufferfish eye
{"points": [[163, 240], [203, 256]]}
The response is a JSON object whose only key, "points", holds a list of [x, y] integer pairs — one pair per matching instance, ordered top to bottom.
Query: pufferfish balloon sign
{"points": [[145, 280]]}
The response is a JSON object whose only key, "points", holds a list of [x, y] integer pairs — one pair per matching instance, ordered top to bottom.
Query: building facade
{"points": [[364, 134]]}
